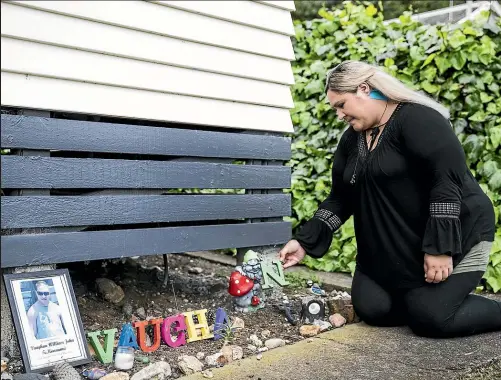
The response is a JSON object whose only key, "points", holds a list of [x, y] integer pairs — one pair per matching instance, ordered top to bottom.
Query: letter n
{"points": [[272, 271]]}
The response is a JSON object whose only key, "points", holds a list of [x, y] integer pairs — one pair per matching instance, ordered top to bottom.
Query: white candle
{"points": [[124, 358]]}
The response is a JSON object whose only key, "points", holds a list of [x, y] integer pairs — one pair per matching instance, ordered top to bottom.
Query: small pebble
{"points": [[262, 349], [200, 356], [259, 356], [207, 374]]}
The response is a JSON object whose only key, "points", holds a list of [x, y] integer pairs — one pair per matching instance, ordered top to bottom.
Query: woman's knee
{"points": [[370, 301], [427, 320]]}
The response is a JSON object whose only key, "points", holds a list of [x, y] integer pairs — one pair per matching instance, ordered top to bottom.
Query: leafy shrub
{"points": [[458, 65]]}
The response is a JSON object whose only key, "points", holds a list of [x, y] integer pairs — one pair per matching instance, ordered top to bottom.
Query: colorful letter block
{"points": [[177, 323], [193, 329], [141, 334], [105, 355]]}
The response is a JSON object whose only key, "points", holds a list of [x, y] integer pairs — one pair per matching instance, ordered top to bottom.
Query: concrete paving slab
{"points": [[361, 352]]}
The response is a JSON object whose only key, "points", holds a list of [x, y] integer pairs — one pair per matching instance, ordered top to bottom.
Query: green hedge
{"points": [[459, 65]]}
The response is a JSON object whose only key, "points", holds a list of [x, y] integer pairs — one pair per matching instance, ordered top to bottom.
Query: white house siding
{"points": [[196, 62]]}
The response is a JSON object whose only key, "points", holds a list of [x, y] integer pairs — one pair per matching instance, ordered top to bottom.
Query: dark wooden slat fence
{"points": [[136, 163], [32, 212]]}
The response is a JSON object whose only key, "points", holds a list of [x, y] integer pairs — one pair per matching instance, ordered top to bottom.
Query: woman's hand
{"points": [[292, 253], [437, 268]]}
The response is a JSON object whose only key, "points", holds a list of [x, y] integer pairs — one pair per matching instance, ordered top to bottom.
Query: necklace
{"points": [[375, 130], [373, 135]]}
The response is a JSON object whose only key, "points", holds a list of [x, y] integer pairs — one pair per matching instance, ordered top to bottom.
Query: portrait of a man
{"points": [[45, 316]]}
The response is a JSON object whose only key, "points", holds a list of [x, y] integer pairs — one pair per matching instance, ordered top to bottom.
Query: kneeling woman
{"points": [[423, 225]]}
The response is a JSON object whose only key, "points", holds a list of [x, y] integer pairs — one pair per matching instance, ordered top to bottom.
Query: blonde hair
{"points": [[348, 75]]}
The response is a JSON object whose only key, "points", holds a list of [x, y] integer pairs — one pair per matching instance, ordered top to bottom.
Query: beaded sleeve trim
{"points": [[445, 210], [329, 218]]}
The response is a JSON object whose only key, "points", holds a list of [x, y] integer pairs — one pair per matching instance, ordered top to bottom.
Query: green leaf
{"points": [[371, 10], [325, 14], [457, 39], [429, 59], [458, 59], [443, 63], [428, 87], [478, 116], [495, 181], [493, 277]]}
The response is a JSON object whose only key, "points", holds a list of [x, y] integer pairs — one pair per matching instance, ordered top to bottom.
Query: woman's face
{"points": [[357, 109]]}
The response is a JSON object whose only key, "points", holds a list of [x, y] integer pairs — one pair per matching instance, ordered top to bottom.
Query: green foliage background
{"points": [[459, 65]]}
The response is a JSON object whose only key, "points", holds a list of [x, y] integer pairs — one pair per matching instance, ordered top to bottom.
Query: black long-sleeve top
{"points": [[412, 194]]}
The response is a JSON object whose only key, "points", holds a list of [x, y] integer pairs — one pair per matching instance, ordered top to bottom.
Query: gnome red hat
{"points": [[240, 285]]}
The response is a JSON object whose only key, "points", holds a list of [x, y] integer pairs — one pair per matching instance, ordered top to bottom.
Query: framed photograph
{"points": [[46, 318]]}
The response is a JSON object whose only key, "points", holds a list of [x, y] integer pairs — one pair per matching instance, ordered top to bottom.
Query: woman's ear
{"points": [[364, 89]]}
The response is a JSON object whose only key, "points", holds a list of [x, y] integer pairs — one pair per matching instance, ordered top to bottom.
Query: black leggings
{"points": [[442, 310]]}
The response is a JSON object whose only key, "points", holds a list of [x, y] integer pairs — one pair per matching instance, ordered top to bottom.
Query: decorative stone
{"points": [[195, 270], [309, 283], [110, 291], [342, 306], [127, 310], [141, 313], [337, 320], [237, 323], [324, 326], [309, 330], [265, 334], [255, 341], [274, 343], [252, 348], [262, 349], [232, 353], [104, 354], [200, 356], [259, 356], [143, 359], [212, 360], [4, 362], [189, 365], [161, 369], [94, 373], [207, 374], [6, 376], [116, 376]]}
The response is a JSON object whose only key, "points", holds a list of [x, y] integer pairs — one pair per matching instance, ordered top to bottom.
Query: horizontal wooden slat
{"points": [[282, 4], [244, 12], [152, 18], [25, 23], [57, 62], [78, 97], [27, 132], [75, 173], [56, 211], [53, 248]]}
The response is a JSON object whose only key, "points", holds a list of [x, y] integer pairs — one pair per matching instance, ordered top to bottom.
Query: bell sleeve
{"points": [[430, 142], [315, 236]]}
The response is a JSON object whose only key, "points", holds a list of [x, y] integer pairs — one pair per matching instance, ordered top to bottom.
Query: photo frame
{"points": [[46, 319]]}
